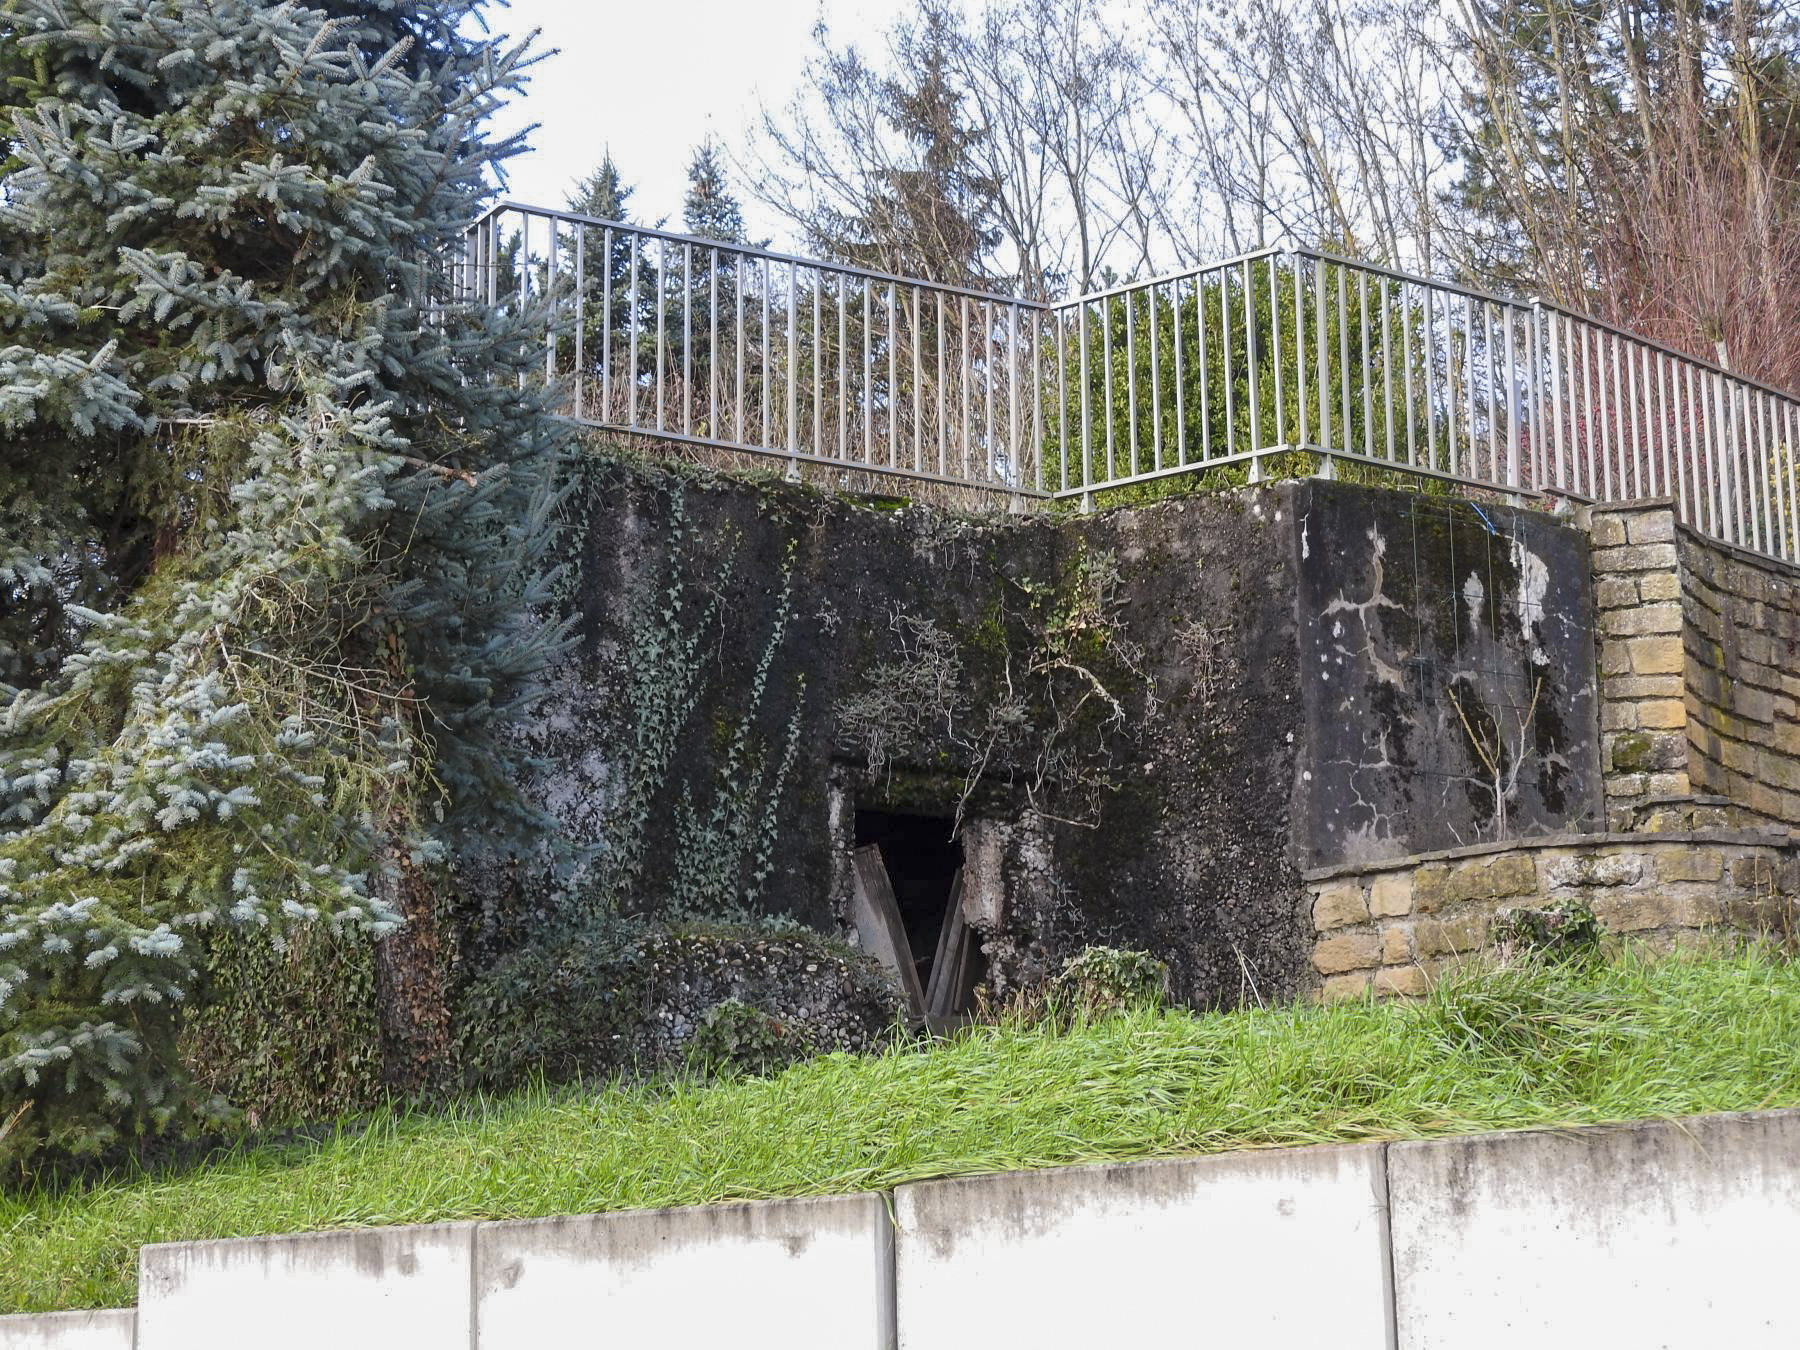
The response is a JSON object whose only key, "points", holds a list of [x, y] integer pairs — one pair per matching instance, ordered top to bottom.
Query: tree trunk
{"points": [[417, 1053]]}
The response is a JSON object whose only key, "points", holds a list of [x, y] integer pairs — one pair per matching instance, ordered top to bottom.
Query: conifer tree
{"points": [[710, 210], [273, 510]]}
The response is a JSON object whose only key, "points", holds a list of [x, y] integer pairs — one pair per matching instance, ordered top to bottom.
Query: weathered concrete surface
{"points": [[1447, 659], [1114, 701], [1152, 717], [1676, 1234], [1280, 1248], [788, 1275], [401, 1286], [110, 1329]]}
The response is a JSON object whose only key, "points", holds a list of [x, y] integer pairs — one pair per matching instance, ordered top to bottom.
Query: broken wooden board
{"points": [[879, 929], [952, 969]]}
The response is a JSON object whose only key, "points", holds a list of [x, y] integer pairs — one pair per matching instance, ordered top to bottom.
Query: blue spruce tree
{"points": [[274, 510]]}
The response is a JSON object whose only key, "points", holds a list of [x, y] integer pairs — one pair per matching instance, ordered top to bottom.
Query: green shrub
{"points": [[622, 996]]}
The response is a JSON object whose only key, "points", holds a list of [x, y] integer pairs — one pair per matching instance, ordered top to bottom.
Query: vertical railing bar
{"points": [[522, 274], [1343, 288], [842, 290], [1427, 295], [553, 301], [580, 317], [1509, 317], [1038, 322], [606, 327], [1553, 329], [662, 332], [687, 339], [738, 343], [712, 344], [1225, 346], [766, 347], [1275, 352], [918, 353], [1319, 353], [791, 360], [818, 362], [1387, 367], [1406, 367], [987, 371], [1107, 373], [1180, 373], [1368, 374], [964, 376], [1131, 378], [1155, 384], [631, 387], [1253, 393], [1535, 394], [893, 395], [867, 399], [1062, 399], [1493, 400], [1726, 404], [1205, 408], [1617, 419], [943, 423], [1302, 423], [1709, 425], [1087, 429], [1665, 436], [1694, 438], [1474, 446], [1789, 447], [1015, 470], [1598, 475], [1639, 477], [1770, 493]]}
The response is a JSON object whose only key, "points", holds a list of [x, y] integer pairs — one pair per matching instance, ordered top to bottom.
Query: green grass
{"points": [[1498, 1050]]}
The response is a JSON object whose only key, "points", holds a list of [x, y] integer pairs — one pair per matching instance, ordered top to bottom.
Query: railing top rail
{"points": [[750, 251], [1236, 260], [1395, 274], [1580, 316], [1666, 350]]}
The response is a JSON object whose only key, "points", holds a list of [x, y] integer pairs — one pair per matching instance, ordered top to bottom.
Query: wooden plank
{"points": [[879, 928], [952, 939]]}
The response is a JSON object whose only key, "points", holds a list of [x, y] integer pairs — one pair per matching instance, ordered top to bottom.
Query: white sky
{"points": [[650, 80]]}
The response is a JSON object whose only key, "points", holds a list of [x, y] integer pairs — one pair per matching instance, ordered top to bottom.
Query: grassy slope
{"points": [[1500, 1050]]}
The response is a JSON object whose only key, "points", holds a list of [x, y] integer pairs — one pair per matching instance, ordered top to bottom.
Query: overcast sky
{"points": [[650, 78]]}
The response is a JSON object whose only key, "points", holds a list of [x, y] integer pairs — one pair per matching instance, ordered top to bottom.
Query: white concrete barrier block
{"points": [[1676, 1234], [1283, 1248], [811, 1274], [372, 1287], [111, 1329]]}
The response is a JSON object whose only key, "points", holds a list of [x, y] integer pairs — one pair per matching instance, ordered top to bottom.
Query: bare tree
{"points": [[1312, 121], [1640, 161]]}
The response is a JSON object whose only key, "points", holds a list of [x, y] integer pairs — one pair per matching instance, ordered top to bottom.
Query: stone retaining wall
{"points": [[1699, 660], [1391, 927]]}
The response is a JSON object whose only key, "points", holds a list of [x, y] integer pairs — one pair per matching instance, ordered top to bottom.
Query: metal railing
{"points": [[1281, 352]]}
